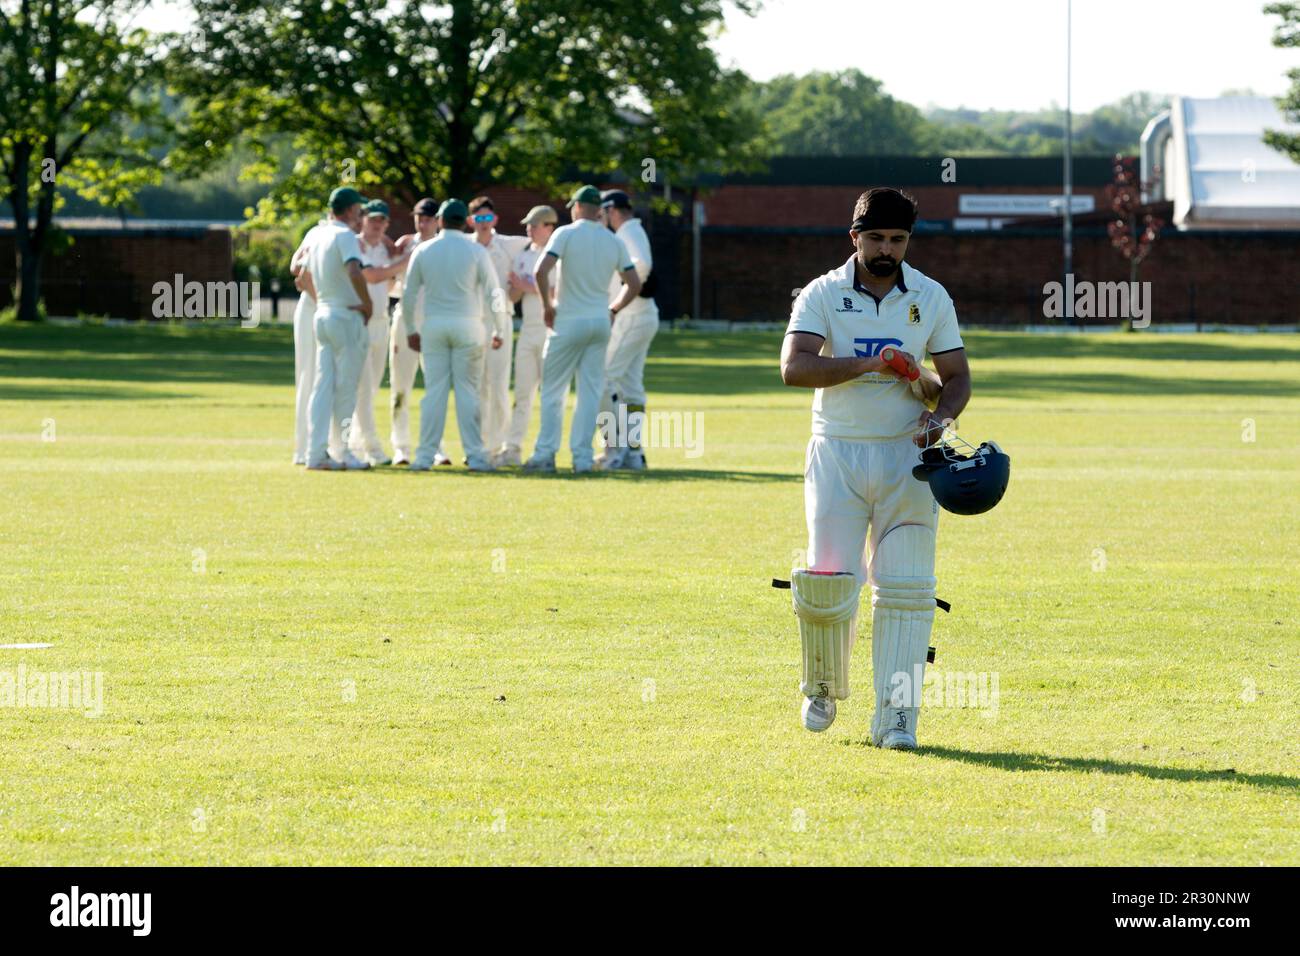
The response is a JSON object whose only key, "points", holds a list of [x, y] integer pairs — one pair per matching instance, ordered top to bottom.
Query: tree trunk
{"points": [[460, 91], [27, 247], [27, 294]]}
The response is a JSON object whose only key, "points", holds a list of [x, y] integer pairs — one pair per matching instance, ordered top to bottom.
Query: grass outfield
{"points": [[393, 668]]}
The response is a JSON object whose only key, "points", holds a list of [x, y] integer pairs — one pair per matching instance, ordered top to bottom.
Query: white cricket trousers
{"points": [[629, 344], [576, 346], [340, 350], [529, 350], [452, 352], [304, 370], [401, 387], [494, 394], [365, 432], [859, 489]]}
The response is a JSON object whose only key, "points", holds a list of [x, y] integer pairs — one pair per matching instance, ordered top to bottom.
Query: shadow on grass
{"points": [[1138, 347], [91, 357], [1018, 384], [81, 392], [564, 474], [1042, 762]]}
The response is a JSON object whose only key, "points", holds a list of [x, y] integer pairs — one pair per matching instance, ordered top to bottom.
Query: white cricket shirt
{"points": [[633, 235], [304, 247], [332, 248], [502, 251], [376, 255], [591, 255], [457, 279], [531, 302], [916, 315]]}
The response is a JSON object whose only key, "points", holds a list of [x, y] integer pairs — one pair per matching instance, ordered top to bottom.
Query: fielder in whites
{"points": [[380, 266], [452, 279], [522, 287], [342, 311], [579, 322], [304, 346], [406, 360], [494, 392], [622, 400], [868, 421]]}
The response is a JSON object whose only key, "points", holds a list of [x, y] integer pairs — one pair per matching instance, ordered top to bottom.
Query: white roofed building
{"points": [[1216, 168]]}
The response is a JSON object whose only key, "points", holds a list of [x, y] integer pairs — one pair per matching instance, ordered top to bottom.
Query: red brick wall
{"points": [[797, 206], [113, 273], [1246, 278]]}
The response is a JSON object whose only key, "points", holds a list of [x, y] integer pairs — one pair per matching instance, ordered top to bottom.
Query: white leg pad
{"points": [[902, 602], [827, 607]]}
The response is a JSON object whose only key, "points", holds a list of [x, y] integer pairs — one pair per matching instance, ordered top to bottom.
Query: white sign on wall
{"points": [[989, 204]]}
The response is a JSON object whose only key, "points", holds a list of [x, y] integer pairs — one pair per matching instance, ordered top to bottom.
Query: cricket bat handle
{"points": [[894, 359]]}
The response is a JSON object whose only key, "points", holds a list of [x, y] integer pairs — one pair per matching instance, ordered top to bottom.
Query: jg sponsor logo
{"points": [[870, 348], [75, 908]]}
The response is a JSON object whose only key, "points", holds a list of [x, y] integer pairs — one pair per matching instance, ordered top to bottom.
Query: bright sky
{"points": [[999, 54], [1010, 54]]}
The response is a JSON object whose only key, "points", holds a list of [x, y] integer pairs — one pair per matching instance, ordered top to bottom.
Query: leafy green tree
{"points": [[1287, 34], [424, 100], [845, 113], [71, 115], [1113, 128]]}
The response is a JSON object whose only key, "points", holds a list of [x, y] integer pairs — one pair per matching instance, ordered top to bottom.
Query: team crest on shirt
{"points": [[848, 306], [913, 314]]}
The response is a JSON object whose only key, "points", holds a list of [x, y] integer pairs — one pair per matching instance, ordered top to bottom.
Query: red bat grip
{"points": [[894, 359]]}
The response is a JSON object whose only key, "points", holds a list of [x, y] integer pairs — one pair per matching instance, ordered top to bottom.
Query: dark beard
{"points": [[882, 268]]}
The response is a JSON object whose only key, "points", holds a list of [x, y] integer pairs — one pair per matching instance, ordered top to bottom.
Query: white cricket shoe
{"points": [[509, 456], [401, 458], [300, 459], [440, 459], [610, 459], [634, 460], [378, 461], [352, 463], [326, 464], [540, 464], [818, 713], [897, 740]]}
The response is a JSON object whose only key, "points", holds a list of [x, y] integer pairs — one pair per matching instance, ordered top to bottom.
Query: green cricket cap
{"points": [[586, 194], [345, 196], [453, 209]]}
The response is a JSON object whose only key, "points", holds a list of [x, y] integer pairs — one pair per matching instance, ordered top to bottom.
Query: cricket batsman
{"points": [[868, 420]]}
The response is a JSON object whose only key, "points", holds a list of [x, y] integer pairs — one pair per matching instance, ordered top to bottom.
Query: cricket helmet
{"points": [[964, 479]]}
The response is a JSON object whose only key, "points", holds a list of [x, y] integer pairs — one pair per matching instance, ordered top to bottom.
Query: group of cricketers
{"points": [[443, 299], [856, 337]]}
